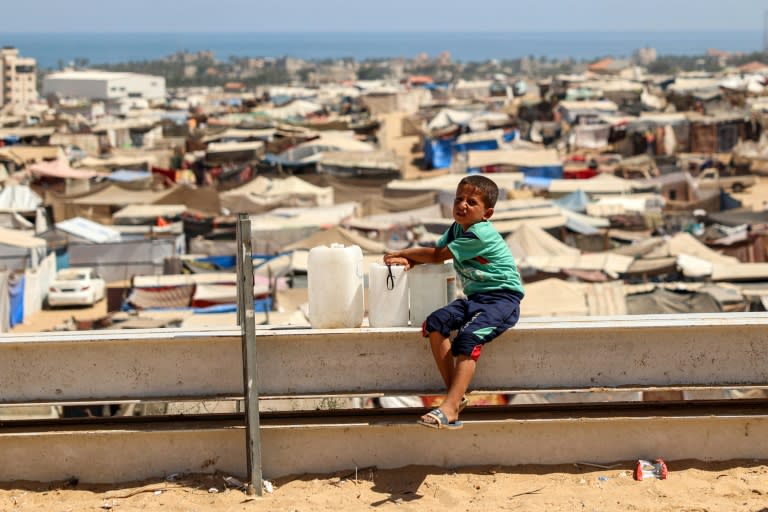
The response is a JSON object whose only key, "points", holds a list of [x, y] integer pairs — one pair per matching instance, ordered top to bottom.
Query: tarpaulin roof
{"points": [[515, 157], [380, 159], [118, 161], [61, 169], [124, 175], [600, 184], [263, 194], [114, 195], [19, 198], [200, 199], [576, 201], [149, 211], [388, 220], [89, 230], [338, 235], [16, 238], [534, 241], [685, 243], [740, 272], [554, 297], [662, 301]]}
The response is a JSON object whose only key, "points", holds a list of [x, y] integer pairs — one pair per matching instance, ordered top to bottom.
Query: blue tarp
{"points": [[436, 86], [177, 116], [510, 135], [480, 145], [438, 152], [554, 172], [126, 175], [537, 182], [575, 201], [728, 202], [580, 227], [62, 258], [220, 262], [16, 295], [259, 305]]}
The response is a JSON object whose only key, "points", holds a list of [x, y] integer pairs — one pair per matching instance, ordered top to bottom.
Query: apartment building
{"points": [[18, 78], [104, 85]]}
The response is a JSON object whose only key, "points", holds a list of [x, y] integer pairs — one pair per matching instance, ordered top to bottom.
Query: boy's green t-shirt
{"points": [[482, 259]]}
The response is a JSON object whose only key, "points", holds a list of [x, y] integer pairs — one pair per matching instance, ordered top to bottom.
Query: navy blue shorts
{"points": [[479, 319]]}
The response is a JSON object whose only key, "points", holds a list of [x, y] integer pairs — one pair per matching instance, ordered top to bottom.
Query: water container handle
{"points": [[390, 278]]}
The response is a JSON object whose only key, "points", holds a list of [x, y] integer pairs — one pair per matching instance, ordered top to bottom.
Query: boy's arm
{"points": [[417, 255]]}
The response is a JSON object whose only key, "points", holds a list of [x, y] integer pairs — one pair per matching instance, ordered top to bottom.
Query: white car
{"points": [[76, 286]]}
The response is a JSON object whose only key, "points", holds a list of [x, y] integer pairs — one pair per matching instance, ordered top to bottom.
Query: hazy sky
{"points": [[379, 15]]}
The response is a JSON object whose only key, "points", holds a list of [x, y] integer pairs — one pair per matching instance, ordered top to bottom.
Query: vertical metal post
{"points": [[247, 322]]}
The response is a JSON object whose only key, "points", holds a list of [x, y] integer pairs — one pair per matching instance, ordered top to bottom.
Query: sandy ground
{"points": [[46, 320], [691, 486]]}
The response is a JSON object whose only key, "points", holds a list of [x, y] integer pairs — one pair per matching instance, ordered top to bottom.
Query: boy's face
{"points": [[469, 207]]}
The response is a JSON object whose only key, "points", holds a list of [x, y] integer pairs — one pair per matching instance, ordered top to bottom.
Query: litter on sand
{"points": [[647, 469]]}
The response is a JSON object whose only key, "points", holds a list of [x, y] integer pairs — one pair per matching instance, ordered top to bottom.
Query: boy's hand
{"points": [[394, 259]]}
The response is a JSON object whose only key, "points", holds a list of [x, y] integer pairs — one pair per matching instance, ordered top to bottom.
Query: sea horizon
{"points": [[55, 49]]}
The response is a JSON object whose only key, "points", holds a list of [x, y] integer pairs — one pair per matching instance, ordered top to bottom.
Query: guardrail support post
{"points": [[247, 322]]}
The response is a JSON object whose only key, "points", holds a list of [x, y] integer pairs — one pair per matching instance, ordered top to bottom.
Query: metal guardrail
{"points": [[538, 354]]}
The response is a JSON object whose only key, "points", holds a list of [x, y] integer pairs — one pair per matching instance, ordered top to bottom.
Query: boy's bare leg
{"points": [[441, 351], [462, 377], [458, 379]]}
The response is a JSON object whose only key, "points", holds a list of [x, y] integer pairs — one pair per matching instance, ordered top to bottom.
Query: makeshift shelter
{"points": [[716, 134], [307, 154], [531, 162], [361, 164], [602, 184], [264, 194], [372, 194], [19, 198], [200, 200], [576, 201], [101, 203], [147, 214], [396, 229], [89, 230], [272, 231], [338, 235], [20, 250], [539, 251], [119, 261], [554, 297], [663, 301]]}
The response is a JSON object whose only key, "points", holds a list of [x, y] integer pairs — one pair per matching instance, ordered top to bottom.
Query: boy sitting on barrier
{"points": [[491, 282]]}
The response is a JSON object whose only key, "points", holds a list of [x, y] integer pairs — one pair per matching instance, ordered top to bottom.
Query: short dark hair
{"points": [[489, 191]]}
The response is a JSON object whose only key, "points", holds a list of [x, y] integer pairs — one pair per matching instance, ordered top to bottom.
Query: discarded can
{"points": [[647, 469]]}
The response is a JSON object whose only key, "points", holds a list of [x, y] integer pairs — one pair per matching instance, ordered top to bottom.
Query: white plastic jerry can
{"points": [[335, 286], [428, 286], [387, 296]]}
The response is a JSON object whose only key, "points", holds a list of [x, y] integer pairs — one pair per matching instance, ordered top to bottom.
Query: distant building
{"points": [[646, 56], [18, 78], [104, 85]]}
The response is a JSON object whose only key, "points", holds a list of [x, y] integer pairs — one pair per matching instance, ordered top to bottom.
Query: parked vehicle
{"points": [[713, 178], [76, 286]]}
